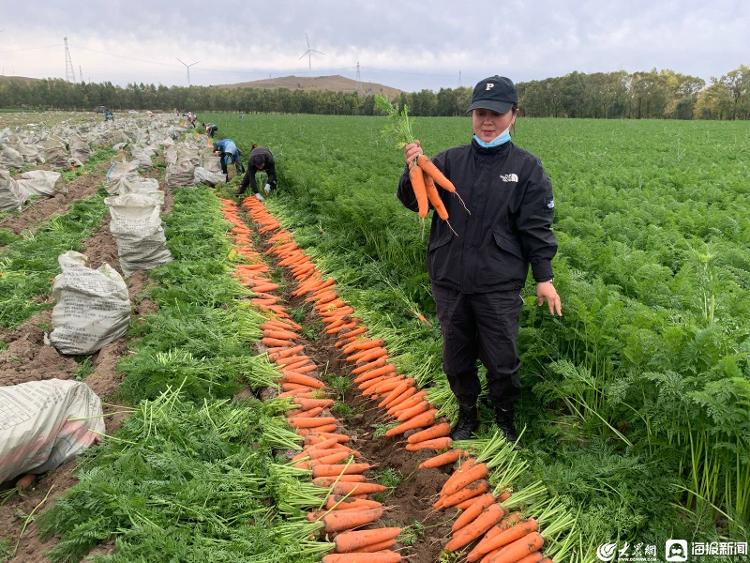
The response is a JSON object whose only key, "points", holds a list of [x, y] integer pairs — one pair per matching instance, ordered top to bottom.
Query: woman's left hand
{"points": [[545, 291]]}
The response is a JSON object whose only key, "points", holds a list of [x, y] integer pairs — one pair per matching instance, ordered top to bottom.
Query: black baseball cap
{"points": [[496, 93]]}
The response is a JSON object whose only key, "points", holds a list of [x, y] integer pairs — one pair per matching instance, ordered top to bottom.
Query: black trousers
{"points": [[480, 326]]}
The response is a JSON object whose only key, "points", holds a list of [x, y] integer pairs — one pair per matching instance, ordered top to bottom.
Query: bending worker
{"points": [[228, 152], [261, 160], [477, 274]]}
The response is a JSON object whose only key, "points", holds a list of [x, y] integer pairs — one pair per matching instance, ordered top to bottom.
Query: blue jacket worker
{"points": [[228, 152]]}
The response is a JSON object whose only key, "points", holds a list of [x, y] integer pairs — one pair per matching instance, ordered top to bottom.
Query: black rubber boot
{"points": [[504, 421], [468, 422]]}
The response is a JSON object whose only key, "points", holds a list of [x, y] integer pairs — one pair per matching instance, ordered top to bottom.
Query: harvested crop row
{"points": [[331, 462], [484, 515]]}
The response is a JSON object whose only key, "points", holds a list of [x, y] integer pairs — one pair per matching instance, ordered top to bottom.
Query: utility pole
{"points": [[187, 68], [80, 73], [70, 74], [359, 78], [459, 78]]}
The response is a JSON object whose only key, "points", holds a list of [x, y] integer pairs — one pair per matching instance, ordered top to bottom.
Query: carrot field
{"points": [[279, 395], [636, 401]]}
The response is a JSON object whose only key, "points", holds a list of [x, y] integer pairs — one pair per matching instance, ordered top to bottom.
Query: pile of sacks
{"points": [[192, 162]]}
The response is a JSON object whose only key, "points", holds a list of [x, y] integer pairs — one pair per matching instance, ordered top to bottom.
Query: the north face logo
{"points": [[509, 177]]}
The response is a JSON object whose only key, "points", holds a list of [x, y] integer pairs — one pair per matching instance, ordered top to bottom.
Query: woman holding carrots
{"points": [[479, 262]]}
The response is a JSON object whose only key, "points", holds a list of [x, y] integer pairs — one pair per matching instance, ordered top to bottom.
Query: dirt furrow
{"points": [[411, 490]]}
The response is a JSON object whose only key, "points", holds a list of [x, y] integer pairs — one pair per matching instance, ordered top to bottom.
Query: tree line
{"points": [[652, 94]]}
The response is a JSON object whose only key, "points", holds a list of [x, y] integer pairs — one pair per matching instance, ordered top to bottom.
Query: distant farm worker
{"points": [[210, 128], [228, 152], [261, 160], [478, 272]]}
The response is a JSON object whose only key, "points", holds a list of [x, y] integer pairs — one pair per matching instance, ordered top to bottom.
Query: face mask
{"points": [[501, 139]]}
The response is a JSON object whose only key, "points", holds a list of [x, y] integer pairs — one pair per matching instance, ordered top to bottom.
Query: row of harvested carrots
{"points": [[325, 452], [503, 538]]}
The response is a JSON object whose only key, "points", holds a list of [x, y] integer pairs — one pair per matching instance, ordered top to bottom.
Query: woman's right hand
{"points": [[411, 152]]}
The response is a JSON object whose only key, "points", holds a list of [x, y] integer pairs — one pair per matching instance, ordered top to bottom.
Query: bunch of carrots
{"points": [[423, 174], [325, 452], [499, 537]]}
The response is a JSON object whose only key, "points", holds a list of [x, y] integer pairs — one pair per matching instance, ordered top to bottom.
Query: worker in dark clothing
{"points": [[210, 128], [228, 152], [261, 160], [477, 272]]}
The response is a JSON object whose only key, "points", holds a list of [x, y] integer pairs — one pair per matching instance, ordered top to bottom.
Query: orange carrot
{"points": [[420, 192], [434, 198], [281, 334], [266, 341], [363, 345], [380, 362], [377, 372], [302, 379], [386, 386], [400, 388], [410, 391], [409, 401], [310, 403], [315, 411], [411, 412], [419, 421], [311, 422], [316, 430], [437, 431], [324, 437], [435, 444], [443, 459], [340, 469], [475, 472], [350, 479], [348, 488], [470, 491], [505, 495], [334, 503], [478, 504], [488, 518], [341, 520], [504, 538], [349, 541], [376, 547], [520, 548], [360, 557], [532, 558]]}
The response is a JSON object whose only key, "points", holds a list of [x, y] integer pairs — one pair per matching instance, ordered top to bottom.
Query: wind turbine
{"points": [[310, 52], [187, 67]]}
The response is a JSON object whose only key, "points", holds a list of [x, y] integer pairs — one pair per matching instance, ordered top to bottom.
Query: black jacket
{"points": [[269, 167], [511, 204]]}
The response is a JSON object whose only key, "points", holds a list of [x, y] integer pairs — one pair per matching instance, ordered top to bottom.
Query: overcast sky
{"points": [[409, 45]]}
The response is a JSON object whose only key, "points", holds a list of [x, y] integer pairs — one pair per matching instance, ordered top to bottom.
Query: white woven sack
{"points": [[136, 225], [92, 307], [43, 424]]}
